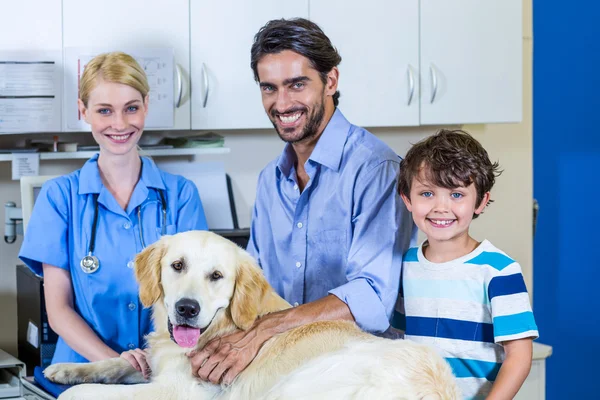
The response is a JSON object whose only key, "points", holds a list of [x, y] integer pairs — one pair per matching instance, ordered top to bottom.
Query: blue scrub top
{"points": [[59, 233]]}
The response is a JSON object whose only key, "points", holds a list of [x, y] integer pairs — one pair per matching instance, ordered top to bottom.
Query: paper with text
{"points": [[30, 91], [25, 164]]}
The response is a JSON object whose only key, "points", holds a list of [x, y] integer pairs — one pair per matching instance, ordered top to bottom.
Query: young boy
{"points": [[466, 298]]}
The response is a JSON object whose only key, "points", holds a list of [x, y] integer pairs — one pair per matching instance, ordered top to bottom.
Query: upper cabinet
{"points": [[132, 24], [31, 25], [471, 61], [404, 62], [411, 62], [379, 72], [225, 95]]}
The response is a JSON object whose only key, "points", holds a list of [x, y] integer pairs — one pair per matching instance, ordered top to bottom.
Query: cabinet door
{"points": [[133, 24], [31, 25], [31, 31], [379, 44], [471, 61], [225, 95], [534, 387]]}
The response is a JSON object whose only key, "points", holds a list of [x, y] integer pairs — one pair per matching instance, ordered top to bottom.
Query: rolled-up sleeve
{"points": [[190, 214], [382, 231], [45, 240]]}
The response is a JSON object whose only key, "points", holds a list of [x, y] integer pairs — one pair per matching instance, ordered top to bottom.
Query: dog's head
{"points": [[201, 280]]}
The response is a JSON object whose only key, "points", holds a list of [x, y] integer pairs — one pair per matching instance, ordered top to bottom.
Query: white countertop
{"points": [[541, 351]]}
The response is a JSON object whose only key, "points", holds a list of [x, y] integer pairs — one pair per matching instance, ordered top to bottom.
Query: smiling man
{"points": [[328, 228]]}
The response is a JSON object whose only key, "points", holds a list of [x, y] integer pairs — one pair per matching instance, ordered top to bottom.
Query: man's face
{"points": [[293, 95]]}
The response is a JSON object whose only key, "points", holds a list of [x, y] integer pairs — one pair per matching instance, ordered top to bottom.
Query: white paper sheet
{"points": [[159, 67], [30, 91], [25, 164], [211, 181], [32, 334]]}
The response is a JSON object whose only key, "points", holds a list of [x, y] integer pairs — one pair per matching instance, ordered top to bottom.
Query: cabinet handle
{"points": [[205, 77], [411, 84], [434, 84], [179, 85]]}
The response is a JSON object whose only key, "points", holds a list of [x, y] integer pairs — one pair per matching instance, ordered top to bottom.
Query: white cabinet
{"points": [[31, 25], [119, 25], [31, 31], [460, 59], [471, 61], [404, 62], [379, 72], [224, 94], [534, 387]]}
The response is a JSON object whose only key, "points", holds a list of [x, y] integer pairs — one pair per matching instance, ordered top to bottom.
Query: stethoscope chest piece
{"points": [[89, 264]]}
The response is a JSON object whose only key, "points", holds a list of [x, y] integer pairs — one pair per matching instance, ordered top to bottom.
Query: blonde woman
{"points": [[87, 226]]}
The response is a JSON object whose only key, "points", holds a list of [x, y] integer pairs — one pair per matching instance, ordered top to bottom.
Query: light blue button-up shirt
{"points": [[59, 233], [344, 234]]}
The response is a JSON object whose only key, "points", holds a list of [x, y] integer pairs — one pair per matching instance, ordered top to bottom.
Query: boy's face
{"points": [[443, 214]]}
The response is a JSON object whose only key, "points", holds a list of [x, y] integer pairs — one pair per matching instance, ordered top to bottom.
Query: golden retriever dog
{"points": [[202, 286]]}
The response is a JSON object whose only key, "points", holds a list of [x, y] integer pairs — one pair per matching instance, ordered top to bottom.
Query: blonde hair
{"points": [[116, 67]]}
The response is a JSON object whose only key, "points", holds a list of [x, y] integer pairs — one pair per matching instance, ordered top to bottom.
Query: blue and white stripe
{"points": [[466, 308]]}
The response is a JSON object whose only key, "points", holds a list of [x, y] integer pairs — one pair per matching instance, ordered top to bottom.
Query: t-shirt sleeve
{"points": [[46, 239], [511, 309]]}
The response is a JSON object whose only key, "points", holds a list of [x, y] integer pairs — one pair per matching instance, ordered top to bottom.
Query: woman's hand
{"points": [[137, 359]]}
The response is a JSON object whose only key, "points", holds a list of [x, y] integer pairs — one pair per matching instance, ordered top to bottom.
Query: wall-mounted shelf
{"points": [[75, 155]]}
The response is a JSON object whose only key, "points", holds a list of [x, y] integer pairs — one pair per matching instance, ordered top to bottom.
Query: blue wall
{"points": [[566, 159]]}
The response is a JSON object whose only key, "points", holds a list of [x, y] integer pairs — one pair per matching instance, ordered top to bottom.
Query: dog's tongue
{"points": [[186, 336]]}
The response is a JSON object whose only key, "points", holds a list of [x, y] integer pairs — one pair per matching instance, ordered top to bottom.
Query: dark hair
{"points": [[300, 36], [449, 159]]}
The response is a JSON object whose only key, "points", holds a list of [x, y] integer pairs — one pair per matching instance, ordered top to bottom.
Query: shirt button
{"points": [[295, 187], [299, 224], [126, 225], [130, 264], [298, 264], [296, 304], [131, 306], [131, 346]]}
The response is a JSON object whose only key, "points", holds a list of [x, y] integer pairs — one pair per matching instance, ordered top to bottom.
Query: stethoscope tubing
{"points": [[90, 263]]}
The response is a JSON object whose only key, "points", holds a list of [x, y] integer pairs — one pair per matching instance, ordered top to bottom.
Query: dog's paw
{"points": [[66, 373]]}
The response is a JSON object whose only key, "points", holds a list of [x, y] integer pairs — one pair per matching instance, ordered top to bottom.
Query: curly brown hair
{"points": [[449, 159]]}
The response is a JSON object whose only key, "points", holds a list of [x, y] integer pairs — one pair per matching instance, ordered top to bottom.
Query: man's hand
{"points": [[222, 359]]}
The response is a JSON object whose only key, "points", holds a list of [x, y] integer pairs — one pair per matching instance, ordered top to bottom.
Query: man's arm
{"points": [[382, 231], [373, 274], [224, 358]]}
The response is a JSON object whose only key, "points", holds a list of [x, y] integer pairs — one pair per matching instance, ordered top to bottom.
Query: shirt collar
{"points": [[329, 148], [286, 160], [151, 176], [90, 181]]}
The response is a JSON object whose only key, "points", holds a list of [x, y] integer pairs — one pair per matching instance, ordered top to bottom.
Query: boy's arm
{"points": [[514, 370]]}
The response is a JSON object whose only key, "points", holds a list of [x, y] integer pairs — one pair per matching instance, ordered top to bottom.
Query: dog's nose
{"points": [[187, 308]]}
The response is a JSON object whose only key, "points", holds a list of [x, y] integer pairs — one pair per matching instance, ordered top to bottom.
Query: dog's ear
{"points": [[147, 273], [251, 287]]}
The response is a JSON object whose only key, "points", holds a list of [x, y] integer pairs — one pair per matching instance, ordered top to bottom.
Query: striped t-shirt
{"points": [[465, 308]]}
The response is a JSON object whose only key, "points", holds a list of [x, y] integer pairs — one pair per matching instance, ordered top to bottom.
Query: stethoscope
{"points": [[90, 263]]}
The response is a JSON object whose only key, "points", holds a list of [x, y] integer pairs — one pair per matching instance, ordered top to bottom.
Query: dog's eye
{"points": [[177, 265], [216, 276]]}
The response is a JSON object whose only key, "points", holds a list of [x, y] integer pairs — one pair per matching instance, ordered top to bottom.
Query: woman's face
{"points": [[116, 114]]}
